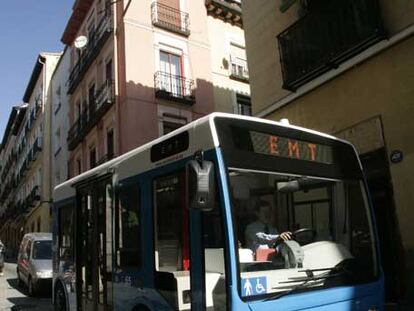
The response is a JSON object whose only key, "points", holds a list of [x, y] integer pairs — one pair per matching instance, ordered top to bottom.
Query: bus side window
{"points": [[127, 225], [66, 236]]}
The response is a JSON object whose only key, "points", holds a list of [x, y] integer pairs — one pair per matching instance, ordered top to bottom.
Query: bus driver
{"points": [[261, 233]]}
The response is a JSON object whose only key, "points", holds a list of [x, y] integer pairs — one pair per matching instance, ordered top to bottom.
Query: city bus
{"points": [[163, 227]]}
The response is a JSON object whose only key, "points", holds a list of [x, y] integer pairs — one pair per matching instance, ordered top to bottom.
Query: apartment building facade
{"points": [[148, 68], [346, 69], [59, 102], [12, 156], [26, 195]]}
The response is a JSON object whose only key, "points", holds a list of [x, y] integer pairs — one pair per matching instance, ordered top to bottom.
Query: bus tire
{"points": [[59, 299]]}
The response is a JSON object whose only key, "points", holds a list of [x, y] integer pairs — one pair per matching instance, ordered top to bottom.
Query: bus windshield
{"points": [[297, 233]]}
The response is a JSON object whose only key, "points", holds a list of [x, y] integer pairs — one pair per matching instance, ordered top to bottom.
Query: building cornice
{"points": [[226, 10], [79, 11]]}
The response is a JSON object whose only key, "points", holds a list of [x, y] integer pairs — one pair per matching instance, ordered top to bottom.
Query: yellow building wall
{"points": [[263, 22], [221, 35], [382, 86]]}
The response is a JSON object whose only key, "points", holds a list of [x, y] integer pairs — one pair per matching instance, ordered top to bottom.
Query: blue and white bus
{"points": [[164, 227]]}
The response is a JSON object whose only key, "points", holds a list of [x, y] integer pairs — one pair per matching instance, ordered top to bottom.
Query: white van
{"points": [[34, 262]]}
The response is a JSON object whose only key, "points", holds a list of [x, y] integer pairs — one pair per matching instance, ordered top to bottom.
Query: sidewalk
{"points": [[14, 298]]}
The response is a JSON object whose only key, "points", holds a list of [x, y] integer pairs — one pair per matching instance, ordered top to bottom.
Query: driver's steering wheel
{"points": [[295, 234]]}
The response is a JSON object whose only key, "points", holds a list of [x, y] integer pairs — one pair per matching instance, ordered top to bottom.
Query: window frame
{"points": [[117, 228]]}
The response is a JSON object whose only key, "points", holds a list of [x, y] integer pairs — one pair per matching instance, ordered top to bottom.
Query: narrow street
{"points": [[15, 298]]}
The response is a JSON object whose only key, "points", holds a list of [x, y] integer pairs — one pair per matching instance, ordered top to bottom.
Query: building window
{"points": [[238, 62], [171, 69], [108, 70], [91, 99], [59, 100], [244, 105], [78, 109], [172, 122], [57, 142], [110, 143], [92, 157], [79, 165], [57, 177], [38, 224], [127, 225]]}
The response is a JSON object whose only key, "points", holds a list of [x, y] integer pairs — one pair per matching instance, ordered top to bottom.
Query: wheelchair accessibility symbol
{"points": [[254, 286]]}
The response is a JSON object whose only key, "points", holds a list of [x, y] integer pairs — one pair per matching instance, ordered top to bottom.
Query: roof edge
{"points": [[33, 78]]}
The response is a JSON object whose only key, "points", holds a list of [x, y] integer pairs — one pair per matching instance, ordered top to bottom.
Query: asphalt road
{"points": [[15, 298]]}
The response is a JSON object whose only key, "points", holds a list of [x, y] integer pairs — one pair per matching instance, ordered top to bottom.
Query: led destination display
{"points": [[279, 146]]}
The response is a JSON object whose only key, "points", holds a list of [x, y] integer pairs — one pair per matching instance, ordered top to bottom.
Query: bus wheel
{"points": [[60, 301]]}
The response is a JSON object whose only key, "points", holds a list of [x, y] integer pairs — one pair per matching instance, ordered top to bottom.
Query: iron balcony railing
{"points": [[170, 18], [326, 37], [96, 40], [173, 87], [38, 105], [91, 114], [37, 147], [33, 196]]}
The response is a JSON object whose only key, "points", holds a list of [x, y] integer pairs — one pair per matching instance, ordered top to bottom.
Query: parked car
{"points": [[34, 262]]}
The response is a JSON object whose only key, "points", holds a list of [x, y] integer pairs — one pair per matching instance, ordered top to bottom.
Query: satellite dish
{"points": [[80, 42]]}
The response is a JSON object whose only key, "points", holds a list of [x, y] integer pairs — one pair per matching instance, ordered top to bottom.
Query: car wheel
{"points": [[30, 287], [60, 301]]}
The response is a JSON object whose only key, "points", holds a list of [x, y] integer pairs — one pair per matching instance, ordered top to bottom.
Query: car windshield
{"points": [[299, 233], [42, 250]]}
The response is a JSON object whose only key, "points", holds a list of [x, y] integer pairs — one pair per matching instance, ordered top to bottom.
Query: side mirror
{"points": [[200, 185], [288, 186]]}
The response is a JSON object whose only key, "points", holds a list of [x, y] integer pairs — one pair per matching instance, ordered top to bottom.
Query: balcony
{"points": [[170, 18], [326, 37], [96, 41], [239, 70], [174, 88], [104, 98], [38, 105], [37, 147], [29, 159], [33, 197]]}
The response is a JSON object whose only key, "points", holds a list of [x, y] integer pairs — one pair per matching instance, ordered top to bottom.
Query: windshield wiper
{"points": [[310, 277]]}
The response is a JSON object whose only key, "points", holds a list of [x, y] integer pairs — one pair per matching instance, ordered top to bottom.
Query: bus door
{"points": [[171, 234], [94, 246], [189, 249]]}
